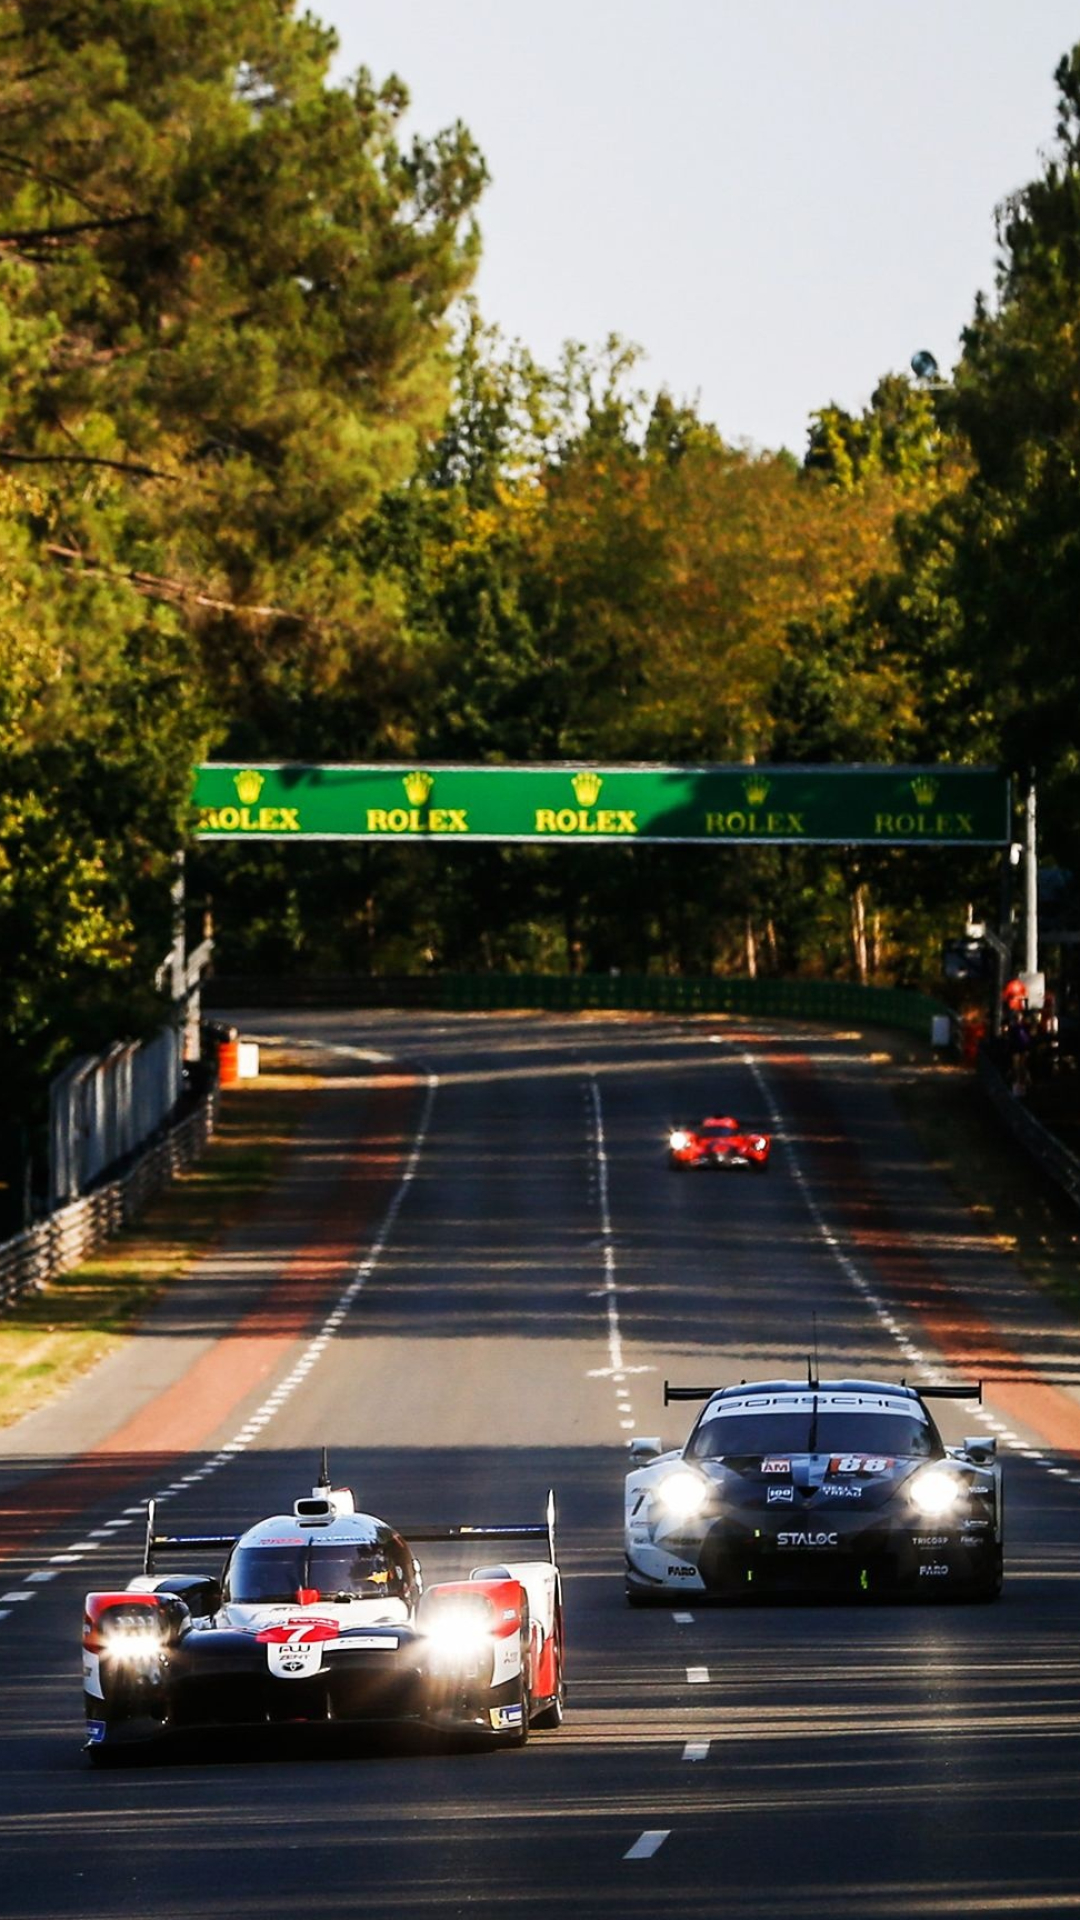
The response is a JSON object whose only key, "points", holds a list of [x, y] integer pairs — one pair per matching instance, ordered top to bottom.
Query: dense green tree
{"points": [[224, 288], [899, 434], [1011, 542]]}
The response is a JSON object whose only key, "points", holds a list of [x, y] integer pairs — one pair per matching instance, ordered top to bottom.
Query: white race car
{"points": [[321, 1616]]}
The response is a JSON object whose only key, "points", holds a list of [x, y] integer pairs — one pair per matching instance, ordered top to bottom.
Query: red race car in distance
{"points": [[720, 1144]]}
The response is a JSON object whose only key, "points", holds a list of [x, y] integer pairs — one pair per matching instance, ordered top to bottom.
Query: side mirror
{"points": [[645, 1447], [981, 1449]]}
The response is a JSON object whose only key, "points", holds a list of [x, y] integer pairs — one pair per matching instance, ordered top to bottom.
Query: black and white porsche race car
{"points": [[822, 1486], [321, 1616]]}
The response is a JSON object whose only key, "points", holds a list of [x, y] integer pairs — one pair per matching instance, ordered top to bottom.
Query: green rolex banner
{"points": [[710, 805]]}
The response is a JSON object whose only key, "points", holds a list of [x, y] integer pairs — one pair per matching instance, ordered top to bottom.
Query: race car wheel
{"points": [[991, 1590], [642, 1597], [552, 1714], [518, 1735], [114, 1753]]}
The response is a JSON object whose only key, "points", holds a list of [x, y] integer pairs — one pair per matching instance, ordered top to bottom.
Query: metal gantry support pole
{"points": [[1031, 883], [183, 971], [1034, 981]]}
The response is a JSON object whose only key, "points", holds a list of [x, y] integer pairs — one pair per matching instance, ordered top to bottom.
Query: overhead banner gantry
{"points": [[596, 805]]}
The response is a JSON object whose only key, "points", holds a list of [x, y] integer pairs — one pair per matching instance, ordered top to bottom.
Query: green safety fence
{"points": [[652, 993], [843, 1000]]}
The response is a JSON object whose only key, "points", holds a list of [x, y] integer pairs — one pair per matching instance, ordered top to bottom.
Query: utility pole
{"points": [[181, 971], [1034, 981]]}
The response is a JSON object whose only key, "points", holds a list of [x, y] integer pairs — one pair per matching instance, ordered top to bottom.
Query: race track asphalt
{"points": [[470, 1284]]}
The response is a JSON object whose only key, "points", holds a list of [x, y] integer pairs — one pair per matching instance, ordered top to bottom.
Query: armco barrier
{"points": [[583, 992], [1050, 1156], [71, 1233]]}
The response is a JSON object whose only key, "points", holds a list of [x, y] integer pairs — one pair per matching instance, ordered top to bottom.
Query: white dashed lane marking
{"points": [[862, 1285], [616, 1371], [698, 1676], [696, 1750], [647, 1844]]}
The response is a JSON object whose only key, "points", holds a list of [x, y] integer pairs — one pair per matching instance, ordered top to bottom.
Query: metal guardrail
{"points": [[583, 992], [104, 1106], [1043, 1147], [69, 1235]]}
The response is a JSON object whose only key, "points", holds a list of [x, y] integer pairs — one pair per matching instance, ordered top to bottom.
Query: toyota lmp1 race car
{"points": [[720, 1144], [831, 1486], [321, 1616]]}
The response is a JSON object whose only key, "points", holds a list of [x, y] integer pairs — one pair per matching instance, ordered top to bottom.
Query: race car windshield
{"points": [[795, 1430], [354, 1570]]}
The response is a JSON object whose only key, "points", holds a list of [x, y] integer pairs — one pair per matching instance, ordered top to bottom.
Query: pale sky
{"points": [[777, 200]]}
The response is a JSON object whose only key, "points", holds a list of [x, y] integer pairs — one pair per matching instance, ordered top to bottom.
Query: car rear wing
{"points": [[973, 1392], [539, 1530], [179, 1542]]}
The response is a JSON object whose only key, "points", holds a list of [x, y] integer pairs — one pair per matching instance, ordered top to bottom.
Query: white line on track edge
{"points": [[913, 1354], [301, 1367]]}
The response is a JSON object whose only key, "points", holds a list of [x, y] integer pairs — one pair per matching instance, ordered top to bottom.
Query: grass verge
{"points": [[49, 1338]]}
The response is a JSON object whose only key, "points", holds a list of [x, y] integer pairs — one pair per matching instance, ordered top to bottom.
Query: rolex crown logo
{"points": [[249, 785], [417, 788], [587, 788], [756, 790], [925, 790]]}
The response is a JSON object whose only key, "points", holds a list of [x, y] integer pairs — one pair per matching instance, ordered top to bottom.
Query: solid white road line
{"points": [[858, 1279], [309, 1357]]}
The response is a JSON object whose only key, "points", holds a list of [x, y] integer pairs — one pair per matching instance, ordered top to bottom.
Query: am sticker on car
{"points": [[776, 1466]]}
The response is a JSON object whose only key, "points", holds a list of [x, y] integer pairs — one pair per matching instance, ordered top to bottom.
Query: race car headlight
{"points": [[678, 1140], [759, 1144], [934, 1491], [683, 1494], [458, 1636], [133, 1642]]}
